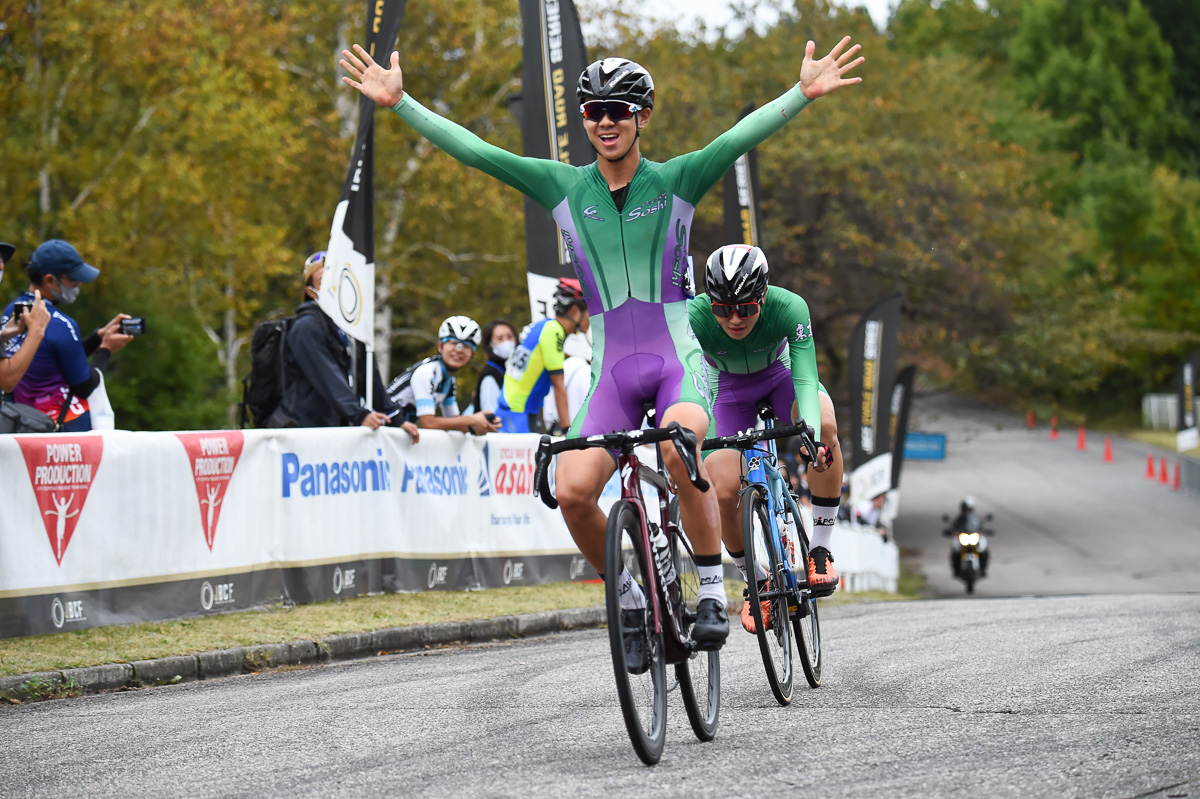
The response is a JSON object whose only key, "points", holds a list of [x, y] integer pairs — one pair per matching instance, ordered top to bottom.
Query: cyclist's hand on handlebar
{"points": [[824, 457]]}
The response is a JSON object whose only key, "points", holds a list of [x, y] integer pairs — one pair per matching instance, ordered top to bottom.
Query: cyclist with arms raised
{"points": [[625, 221], [758, 344], [536, 365]]}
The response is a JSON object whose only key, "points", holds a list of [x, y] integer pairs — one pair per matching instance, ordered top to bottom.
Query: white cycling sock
{"points": [[824, 513], [740, 562], [712, 583], [630, 592]]}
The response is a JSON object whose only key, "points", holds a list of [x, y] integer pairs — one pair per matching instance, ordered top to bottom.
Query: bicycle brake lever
{"points": [[685, 444], [541, 482]]}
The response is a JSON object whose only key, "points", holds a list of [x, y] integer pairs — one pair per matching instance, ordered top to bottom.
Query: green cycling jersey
{"points": [[782, 333]]}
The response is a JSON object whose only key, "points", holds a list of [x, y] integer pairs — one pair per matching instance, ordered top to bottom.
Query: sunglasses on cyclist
{"points": [[616, 110], [743, 309], [459, 343]]}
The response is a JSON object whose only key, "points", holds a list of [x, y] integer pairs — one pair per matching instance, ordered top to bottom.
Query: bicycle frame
{"points": [[762, 472], [633, 473]]}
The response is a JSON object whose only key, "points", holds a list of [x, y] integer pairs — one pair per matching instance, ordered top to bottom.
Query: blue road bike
{"points": [[781, 602]]}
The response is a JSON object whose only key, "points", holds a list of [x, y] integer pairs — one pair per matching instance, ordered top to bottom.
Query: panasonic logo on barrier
{"points": [[335, 477], [437, 480]]}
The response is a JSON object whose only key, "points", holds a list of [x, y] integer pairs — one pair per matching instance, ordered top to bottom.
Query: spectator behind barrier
{"points": [[29, 325], [499, 341], [317, 361], [577, 379], [59, 380], [429, 386], [867, 512]]}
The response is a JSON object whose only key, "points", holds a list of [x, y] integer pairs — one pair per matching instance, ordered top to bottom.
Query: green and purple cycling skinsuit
{"points": [[632, 263], [776, 361]]}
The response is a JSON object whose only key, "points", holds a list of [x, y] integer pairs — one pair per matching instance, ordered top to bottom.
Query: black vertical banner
{"points": [[383, 27], [551, 127], [743, 214], [347, 292], [872, 366], [1185, 387], [901, 403]]}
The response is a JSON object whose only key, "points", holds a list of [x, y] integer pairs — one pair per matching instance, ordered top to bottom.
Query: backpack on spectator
{"points": [[263, 389]]}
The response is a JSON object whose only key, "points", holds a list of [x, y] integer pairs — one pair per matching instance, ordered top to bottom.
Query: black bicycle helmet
{"points": [[616, 79], [736, 273], [568, 293]]}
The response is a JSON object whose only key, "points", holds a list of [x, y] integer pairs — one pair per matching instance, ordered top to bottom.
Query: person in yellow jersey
{"points": [[536, 365]]}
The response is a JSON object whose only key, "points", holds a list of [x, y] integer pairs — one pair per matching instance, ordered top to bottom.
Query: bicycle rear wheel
{"points": [[805, 620], [774, 637], [700, 675], [642, 688]]}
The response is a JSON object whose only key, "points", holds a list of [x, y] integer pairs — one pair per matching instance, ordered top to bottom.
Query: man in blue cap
{"points": [[31, 325], [60, 369]]}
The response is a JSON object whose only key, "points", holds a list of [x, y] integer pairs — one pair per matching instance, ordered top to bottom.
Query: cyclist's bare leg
{"points": [[725, 469], [578, 483], [701, 518]]}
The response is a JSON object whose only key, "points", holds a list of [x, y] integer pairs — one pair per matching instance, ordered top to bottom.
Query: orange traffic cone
{"points": [[1029, 420], [1054, 428], [1082, 444], [1108, 458], [1149, 465], [1162, 475], [1175, 486]]}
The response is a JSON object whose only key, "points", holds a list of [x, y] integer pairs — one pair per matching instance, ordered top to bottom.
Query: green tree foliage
{"points": [[1103, 65]]}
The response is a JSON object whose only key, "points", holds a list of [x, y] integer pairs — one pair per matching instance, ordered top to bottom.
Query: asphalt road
{"points": [[1023, 695]]}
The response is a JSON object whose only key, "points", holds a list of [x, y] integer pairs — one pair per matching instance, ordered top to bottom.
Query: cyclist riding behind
{"points": [[625, 222], [758, 345], [536, 365], [429, 385]]}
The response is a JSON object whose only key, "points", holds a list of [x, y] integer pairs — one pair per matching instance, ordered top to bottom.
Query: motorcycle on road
{"points": [[969, 547]]}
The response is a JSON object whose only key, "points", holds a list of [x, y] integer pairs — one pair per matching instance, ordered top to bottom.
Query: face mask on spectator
{"points": [[64, 295], [504, 349]]}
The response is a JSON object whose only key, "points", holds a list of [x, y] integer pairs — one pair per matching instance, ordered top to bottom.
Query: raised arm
{"points": [[701, 170], [543, 180]]}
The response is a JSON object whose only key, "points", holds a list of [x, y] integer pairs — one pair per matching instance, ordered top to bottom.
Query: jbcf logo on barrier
{"points": [[335, 477], [514, 570], [343, 579], [220, 594], [64, 612]]}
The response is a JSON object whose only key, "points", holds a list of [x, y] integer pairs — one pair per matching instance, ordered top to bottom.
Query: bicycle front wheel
{"points": [[770, 613], [806, 621], [638, 656], [700, 675]]}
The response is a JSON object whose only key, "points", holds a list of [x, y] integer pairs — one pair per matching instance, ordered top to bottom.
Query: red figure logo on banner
{"points": [[214, 456], [61, 469]]}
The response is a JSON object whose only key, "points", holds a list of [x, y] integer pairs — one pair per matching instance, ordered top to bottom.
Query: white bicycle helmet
{"points": [[463, 328]]}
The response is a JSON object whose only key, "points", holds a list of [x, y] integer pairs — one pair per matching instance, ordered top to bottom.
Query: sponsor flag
{"points": [[554, 56], [743, 214], [347, 292], [872, 367], [1185, 389], [901, 403], [213, 456], [61, 469]]}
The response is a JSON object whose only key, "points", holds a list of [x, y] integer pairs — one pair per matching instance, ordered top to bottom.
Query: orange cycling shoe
{"points": [[822, 579], [748, 616]]}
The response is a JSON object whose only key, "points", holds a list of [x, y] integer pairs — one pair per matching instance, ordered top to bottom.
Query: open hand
{"points": [[819, 78], [384, 86]]}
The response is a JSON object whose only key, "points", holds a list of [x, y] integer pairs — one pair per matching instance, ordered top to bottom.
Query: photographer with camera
{"points": [[28, 319], [60, 379]]}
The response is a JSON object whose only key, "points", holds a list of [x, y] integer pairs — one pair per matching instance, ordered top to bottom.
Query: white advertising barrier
{"points": [[112, 527]]}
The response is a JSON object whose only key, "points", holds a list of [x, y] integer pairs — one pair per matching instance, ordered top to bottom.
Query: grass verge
{"points": [[1158, 438], [277, 624]]}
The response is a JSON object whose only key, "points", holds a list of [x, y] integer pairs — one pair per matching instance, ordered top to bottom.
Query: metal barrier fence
{"points": [[1161, 411], [1189, 474]]}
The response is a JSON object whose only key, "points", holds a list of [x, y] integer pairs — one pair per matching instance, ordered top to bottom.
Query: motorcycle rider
{"points": [[967, 521]]}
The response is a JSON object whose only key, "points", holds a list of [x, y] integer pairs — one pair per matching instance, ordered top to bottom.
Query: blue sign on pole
{"points": [[925, 446]]}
